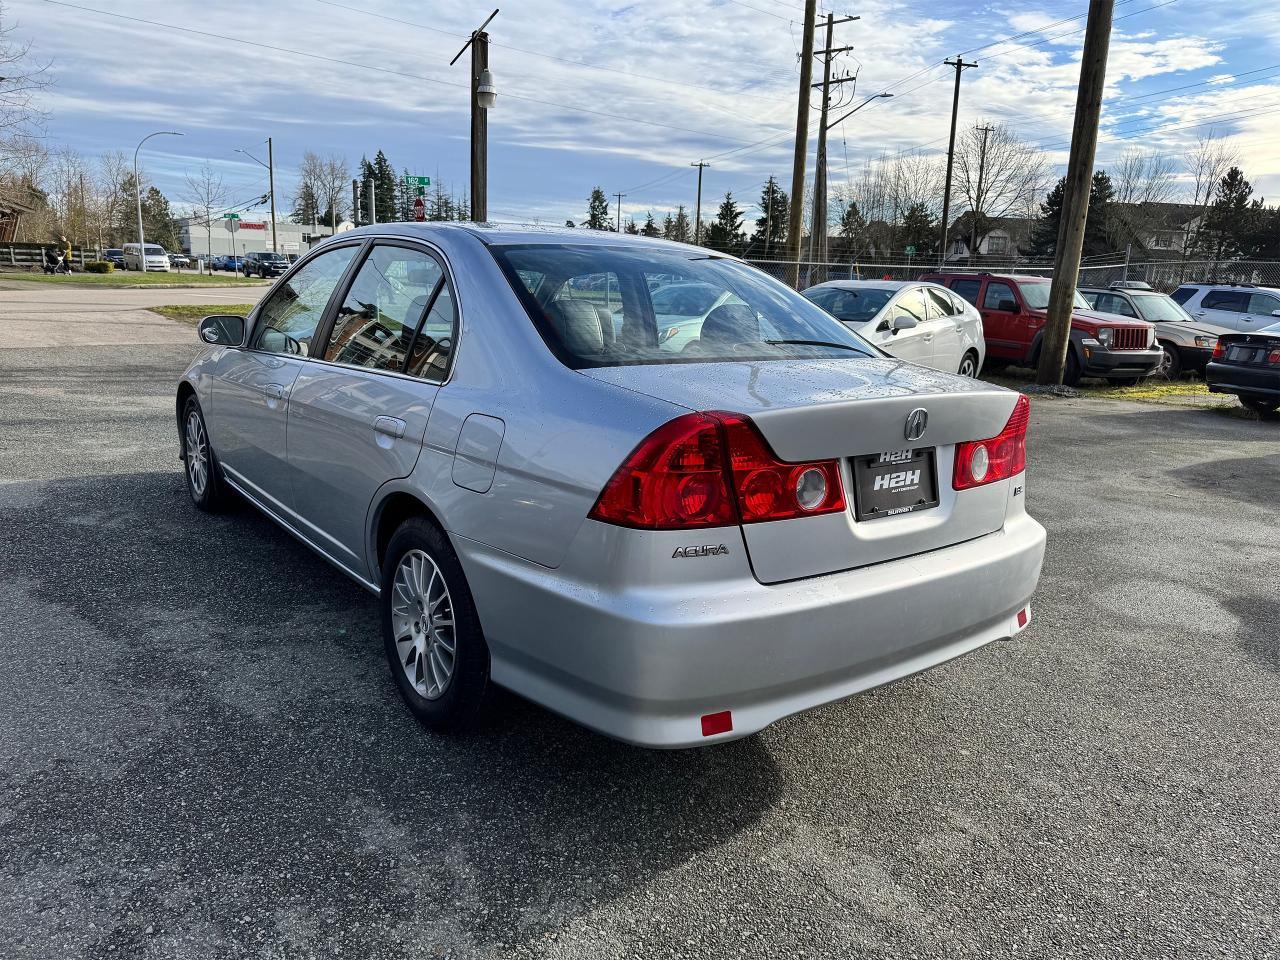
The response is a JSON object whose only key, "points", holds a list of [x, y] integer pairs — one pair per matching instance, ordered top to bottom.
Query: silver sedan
{"points": [[675, 541]]}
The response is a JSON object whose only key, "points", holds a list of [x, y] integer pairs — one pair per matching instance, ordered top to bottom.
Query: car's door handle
{"points": [[273, 390], [389, 426]]}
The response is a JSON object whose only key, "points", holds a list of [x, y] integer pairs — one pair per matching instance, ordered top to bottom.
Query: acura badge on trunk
{"points": [[917, 420]]}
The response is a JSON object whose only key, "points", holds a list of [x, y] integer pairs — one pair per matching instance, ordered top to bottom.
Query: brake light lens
{"points": [[1218, 350], [1274, 357], [980, 462], [711, 470]]}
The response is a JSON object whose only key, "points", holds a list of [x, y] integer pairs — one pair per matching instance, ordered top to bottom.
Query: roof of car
{"points": [[499, 234], [978, 275], [864, 285]]}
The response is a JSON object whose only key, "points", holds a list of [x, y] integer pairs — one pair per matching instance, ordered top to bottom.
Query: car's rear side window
{"points": [[967, 289], [1183, 294], [1232, 300], [940, 304], [598, 306], [378, 319]]}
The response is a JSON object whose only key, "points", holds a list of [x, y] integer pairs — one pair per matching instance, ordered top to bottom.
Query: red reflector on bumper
{"points": [[1022, 618], [714, 723]]}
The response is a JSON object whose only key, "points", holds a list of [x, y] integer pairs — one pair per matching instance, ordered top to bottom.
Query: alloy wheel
{"points": [[968, 366], [197, 453], [422, 622]]}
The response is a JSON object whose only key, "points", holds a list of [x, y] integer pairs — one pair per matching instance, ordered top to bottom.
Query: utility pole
{"points": [[960, 66], [483, 96], [802, 144], [271, 185], [977, 194], [619, 196], [1075, 199], [373, 200], [355, 202], [697, 210], [768, 214], [818, 226]]}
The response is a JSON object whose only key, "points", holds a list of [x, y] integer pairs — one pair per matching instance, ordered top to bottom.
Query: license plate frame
{"points": [[900, 492]]}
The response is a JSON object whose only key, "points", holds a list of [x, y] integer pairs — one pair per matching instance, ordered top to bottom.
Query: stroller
{"points": [[55, 262]]}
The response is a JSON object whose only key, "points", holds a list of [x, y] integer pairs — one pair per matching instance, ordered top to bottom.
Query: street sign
{"points": [[417, 181], [419, 210], [231, 216], [911, 251]]}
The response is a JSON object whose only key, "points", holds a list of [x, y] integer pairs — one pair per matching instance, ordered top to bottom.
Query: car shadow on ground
{"points": [[207, 739]]}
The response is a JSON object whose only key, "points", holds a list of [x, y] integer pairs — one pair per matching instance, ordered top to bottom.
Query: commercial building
{"points": [[248, 235]]}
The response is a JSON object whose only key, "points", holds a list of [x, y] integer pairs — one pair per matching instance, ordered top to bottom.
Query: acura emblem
{"points": [[917, 420]]}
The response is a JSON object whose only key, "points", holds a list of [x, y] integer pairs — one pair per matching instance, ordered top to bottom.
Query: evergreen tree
{"points": [[366, 178], [386, 189], [406, 195], [440, 205], [306, 207], [462, 208], [598, 211], [157, 220], [1229, 223], [571, 225], [771, 226], [668, 227], [631, 228], [650, 229], [918, 229], [681, 230], [852, 230], [725, 232], [1044, 235], [1097, 238], [1263, 242]]}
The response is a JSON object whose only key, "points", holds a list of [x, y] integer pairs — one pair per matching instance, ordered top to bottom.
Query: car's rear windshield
{"points": [[1036, 294], [603, 306]]}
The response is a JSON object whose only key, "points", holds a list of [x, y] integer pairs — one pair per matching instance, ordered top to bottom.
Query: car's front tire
{"points": [[1171, 363], [203, 483], [430, 628]]}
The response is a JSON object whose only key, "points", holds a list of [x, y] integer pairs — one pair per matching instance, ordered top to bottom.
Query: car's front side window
{"points": [[998, 296], [1264, 304], [288, 320], [377, 321]]}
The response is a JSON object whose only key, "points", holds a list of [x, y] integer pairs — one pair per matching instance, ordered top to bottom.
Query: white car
{"points": [[156, 258], [922, 322]]}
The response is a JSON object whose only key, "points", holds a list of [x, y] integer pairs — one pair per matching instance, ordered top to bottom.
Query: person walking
{"points": [[66, 255]]}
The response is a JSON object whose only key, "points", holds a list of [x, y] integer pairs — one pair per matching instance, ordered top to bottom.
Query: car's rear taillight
{"points": [[1218, 350], [1273, 358], [1001, 457], [711, 470]]}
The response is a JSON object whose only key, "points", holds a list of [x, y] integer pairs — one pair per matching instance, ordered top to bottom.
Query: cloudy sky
{"points": [[625, 95]]}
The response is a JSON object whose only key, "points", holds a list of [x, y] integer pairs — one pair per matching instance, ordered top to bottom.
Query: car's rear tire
{"points": [[1171, 363], [968, 364], [1261, 405], [200, 465], [431, 630]]}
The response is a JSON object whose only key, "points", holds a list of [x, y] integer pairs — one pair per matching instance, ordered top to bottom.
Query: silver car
{"points": [[674, 547]]}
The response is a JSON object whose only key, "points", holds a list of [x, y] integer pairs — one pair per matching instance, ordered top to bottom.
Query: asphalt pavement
{"points": [[202, 753]]}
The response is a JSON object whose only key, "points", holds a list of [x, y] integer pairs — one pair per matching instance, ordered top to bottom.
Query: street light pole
{"points": [[483, 96], [271, 187], [137, 189]]}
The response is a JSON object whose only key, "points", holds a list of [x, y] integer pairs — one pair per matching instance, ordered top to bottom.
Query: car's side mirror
{"points": [[1009, 306], [1275, 313], [904, 321], [223, 329]]}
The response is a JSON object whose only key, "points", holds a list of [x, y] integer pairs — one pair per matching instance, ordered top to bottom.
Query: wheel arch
{"points": [[186, 390], [395, 505]]}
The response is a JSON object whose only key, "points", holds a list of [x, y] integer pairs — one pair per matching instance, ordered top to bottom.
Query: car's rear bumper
{"points": [[1121, 363], [1240, 379], [645, 664]]}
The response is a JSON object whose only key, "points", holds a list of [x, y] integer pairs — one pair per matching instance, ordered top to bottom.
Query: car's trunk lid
{"points": [[845, 409]]}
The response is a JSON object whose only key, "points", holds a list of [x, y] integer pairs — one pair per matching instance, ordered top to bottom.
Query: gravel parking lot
{"points": [[202, 753]]}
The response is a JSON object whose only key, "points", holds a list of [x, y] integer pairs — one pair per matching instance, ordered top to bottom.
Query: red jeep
{"points": [[1014, 310]]}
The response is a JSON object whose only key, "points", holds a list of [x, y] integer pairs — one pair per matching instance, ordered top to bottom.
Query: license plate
{"points": [[1241, 354], [895, 482]]}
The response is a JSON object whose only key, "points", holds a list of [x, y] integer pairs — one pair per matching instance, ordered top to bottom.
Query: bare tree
{"points": [[21, 117], [1207, 162], [998, 174], [332, 178], [1141, 179], [886, 188], [206, 193], [114, 196]]}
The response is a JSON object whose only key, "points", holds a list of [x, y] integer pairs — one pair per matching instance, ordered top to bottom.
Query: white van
{"points": [[157, 258]]}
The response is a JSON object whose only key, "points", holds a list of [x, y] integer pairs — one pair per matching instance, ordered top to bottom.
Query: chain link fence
{"points": [[1163, 275]]}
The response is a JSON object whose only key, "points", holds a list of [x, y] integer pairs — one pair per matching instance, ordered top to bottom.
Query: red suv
{"points": [[1014, 310]]}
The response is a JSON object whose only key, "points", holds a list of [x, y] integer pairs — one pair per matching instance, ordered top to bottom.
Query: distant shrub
{"points": [[99, 266]]}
